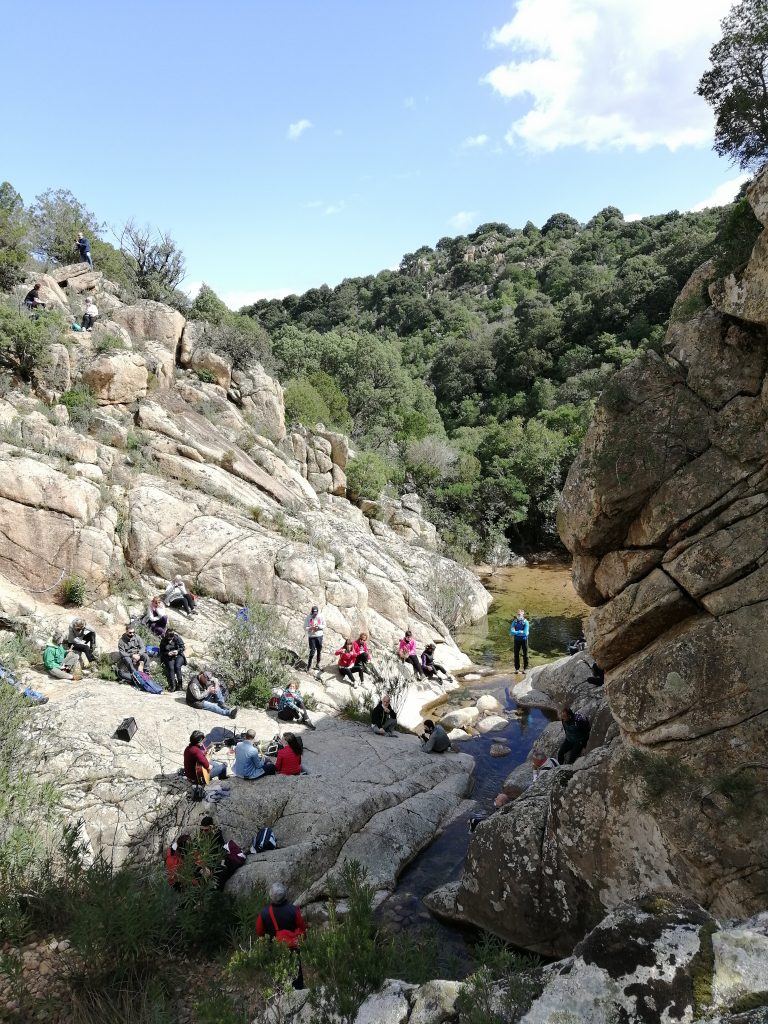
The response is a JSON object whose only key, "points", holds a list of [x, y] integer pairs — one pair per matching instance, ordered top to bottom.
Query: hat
{"points": [[314, 610], [277, 893]]}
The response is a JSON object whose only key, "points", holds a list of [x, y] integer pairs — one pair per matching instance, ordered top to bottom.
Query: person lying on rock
{"points": [[32, 299], [90, 315], [177, 596], [155, 618], [314, 626], [82, 638], [132, 651], [406, 651], [173, 659], [60, 662], [348, 663], [429, 666], [8, 678], [205, 693], [290, 707], [383, 717], [576, 728], [435, 738], [288, 760], [196, 763], [542, 763], [249, 764], [499, 801], [282, 920]]}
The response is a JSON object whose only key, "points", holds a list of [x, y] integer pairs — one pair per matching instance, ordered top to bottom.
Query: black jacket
{"points": [[169, 642], [380, 714]]}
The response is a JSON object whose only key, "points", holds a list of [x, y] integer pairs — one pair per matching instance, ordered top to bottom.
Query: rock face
{"points": [[666, 512]]}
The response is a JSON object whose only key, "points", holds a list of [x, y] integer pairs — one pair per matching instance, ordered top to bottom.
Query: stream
{"points": [[556, 613]]}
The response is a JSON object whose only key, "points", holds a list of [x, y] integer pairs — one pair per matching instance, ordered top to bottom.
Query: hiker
{"points": [[84, 248], [32, 299], [90, 315], [177, 596], [155, 618], [314, 624], [519, 630], [82, 638], [576, 646], [132, 651], [406, 651], [363, 654], [172, 659], [60, 662], [348, 663], [429, 666], [598, 675], [9, 678], [204, 693], [290, 708], [383, 717], [576, 728], [435, 738], [288, 760], [196, 763], [541, 763], [249, 764], [499, 801], [232, 857], [174, 860], [282, 920]]}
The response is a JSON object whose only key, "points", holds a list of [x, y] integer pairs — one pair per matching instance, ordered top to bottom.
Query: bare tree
{"points": [[157, 262]]}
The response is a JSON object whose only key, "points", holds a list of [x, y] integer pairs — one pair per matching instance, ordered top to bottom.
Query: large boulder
{"points": [[152, 321], [117, 379], [261, 398]]}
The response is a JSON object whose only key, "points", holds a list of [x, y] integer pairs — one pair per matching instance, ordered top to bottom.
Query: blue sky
{"points": [[289, 144]]}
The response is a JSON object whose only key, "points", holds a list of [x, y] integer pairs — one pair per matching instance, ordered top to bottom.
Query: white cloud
{"points": [[608, 73], [298, 128], [473, 141], [723, 194], [333, 208], [462, 219], [236, 299]]}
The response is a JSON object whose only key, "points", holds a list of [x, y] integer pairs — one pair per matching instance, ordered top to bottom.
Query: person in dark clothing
{"points": [[84, 248], [32, 299], [519, 631], [82, 638], [133, 654], [172, 659], [429, 666], [598, 675], [203, 686], [290, 707], [383, 718], [576, 728], [435, 738], [500, 801], [224, 858], [282, 916]]}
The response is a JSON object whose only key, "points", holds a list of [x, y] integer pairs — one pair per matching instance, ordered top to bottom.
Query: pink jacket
{"points": [[407, 647], [346, 658]]}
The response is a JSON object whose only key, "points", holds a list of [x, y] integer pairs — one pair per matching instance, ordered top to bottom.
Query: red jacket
{"points": [[360, 648], [346, 658], [194, 756], [286, 762], [173, 861], [286, 915]]}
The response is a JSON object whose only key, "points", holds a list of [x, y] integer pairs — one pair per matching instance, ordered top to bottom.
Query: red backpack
{"points": [[289, 937]]}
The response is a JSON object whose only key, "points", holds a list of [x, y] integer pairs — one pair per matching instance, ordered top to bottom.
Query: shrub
{"points": [[736, 238], [25, 340], [108, 343], [205, 376], [304, 404], [80, 405], [368, 474], [73, 590], [246, 653], [357, 709], [659, 775], [504, 987]]}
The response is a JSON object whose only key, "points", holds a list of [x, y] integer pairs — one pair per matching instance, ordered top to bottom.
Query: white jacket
{"points": [[314, 625]]}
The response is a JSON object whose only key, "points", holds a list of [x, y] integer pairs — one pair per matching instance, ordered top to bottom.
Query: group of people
{"points": [[33, 300], [424, 666], [249, 761]]}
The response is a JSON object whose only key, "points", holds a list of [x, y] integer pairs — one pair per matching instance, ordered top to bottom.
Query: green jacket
{"points": [[54, 656]]}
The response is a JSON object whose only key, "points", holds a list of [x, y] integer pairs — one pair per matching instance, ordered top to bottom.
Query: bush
{"points": [[736, 238], [25, 340], [108, 343], [206, 377], [304, 404], [80, 405], [368, 474], [73, 590], [247, 654], [504, 987]]}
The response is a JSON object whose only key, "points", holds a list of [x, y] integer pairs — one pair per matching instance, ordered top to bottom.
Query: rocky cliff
{"points": [[666, 513]]}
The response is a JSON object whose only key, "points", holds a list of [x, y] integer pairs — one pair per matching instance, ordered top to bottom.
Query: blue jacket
{"points": [[84, 246], [520, 628], [248, 762]]}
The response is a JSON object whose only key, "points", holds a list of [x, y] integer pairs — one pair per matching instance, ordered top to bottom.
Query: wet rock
{"points": [[487, 703], [460, 718], [493, 723], [499, 750]]}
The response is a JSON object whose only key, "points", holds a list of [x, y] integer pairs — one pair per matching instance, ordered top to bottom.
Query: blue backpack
{"points": [[145, 682], [263, 841]]}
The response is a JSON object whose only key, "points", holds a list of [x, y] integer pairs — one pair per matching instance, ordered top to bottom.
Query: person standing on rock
{"points": [[84, 248], [177, 596], [314, 626], [519, 631], [406, 651], [173, 659], [348, 663], [204, 693], [383, 718], [576, 728], [435, 738], [282, 921]]}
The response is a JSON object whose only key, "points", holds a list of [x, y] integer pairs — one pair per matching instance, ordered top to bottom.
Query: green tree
{"points": [[736, 85], [57, 218], [13, 232], [158, 263], [208, 306], [25, 341]]}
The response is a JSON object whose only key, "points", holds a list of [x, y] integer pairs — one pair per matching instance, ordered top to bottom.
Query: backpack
{"points": [[145, 682], [264, 840], [233, 854], [289, 936]]}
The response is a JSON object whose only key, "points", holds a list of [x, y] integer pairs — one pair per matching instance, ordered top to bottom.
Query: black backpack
{"points": [[263, 841]]}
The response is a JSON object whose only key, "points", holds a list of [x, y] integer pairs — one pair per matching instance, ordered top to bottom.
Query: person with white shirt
{"points": [[90, 315], [314, 625]]}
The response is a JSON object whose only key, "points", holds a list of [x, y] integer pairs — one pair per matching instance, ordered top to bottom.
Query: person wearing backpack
{"points": [[576, 728], [282, 921]]}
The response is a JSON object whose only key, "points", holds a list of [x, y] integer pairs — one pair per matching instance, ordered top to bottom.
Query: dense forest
{"points": [[469, 374]]}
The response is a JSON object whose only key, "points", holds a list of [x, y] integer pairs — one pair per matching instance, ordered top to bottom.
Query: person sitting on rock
{"points": [[84, 248], [32, 299], [90, 315], [177, 596], [155, 618], [314, 626], [520, 630], [82, 638], [406, 651], [132, 652], [363, 654], [173, 659], [60, 662], [348, 663], [429, 666], [8, 678], [204, 693], [290, 707], [383, 717], [576, 728], [435, 738], [288, 760], [196, 763], [542, 763], [249, 764], [499, 801], [224, 858], [282, 920]]}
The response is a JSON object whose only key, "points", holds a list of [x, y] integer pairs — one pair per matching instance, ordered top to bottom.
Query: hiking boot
{"points": [[233, 713]]}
